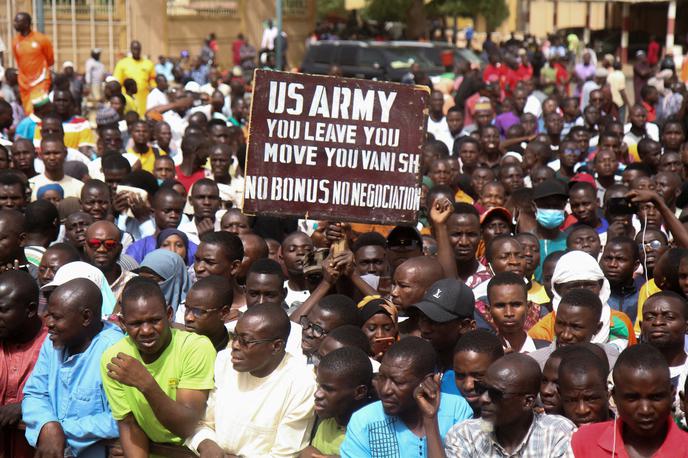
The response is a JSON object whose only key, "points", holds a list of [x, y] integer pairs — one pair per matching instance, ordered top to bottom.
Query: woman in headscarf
{"points": [[176, 241], [577, 269], [169, 270], [380, 323]]}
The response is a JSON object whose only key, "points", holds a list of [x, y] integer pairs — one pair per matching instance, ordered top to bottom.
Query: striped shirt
{"points": [[549, 436]]}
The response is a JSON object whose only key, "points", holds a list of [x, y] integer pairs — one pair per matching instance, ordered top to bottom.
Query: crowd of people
{"points": [[537, 309]]}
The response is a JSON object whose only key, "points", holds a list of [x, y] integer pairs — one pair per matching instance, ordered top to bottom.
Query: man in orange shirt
{"points": [[33, 53]]}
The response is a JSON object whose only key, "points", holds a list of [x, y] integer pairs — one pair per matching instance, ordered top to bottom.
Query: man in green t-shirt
{"points": [[157, 379], [344, 379]]}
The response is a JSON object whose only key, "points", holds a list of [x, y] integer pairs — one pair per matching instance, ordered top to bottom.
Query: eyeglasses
{"points": [[109, 244], [651, 245], [199, 312], [306, 324], [244, 342], [496, 395]]}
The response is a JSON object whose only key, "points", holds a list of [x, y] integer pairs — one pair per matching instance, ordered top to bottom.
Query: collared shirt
{"points": [[139, 249], [16, 363], [68, 389], [259, 416], [373, 433], [548, 436], [606, 439]]}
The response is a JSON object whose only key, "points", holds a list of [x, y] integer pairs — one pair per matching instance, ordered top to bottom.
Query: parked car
{"points": [[437, 51], [370, 60]]}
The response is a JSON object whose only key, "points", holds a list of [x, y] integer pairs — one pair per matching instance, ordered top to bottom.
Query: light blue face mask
{"points": [[160, 180], [549, 218]]}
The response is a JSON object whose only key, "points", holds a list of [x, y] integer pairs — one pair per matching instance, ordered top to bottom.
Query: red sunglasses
{"points": [[109, 244]]}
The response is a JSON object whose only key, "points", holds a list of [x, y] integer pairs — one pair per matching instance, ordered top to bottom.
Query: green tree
{"points": [[327, 7]]}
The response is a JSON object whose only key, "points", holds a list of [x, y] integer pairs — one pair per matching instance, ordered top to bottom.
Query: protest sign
{"points": [[337, 149]]}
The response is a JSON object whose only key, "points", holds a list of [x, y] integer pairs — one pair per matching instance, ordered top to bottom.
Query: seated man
{"points": [[103, 249], [207, 308], [331, 312], [578, 320], [21, 336], [473, 355], [157, 378], [344, 379], [582, 387], [643, 396], [262, 404], [64, 409], [397, 422], [508, 426]]}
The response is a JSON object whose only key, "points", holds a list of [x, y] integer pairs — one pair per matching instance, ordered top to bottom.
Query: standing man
{"points": [[33, 53], [140, 70], [94, 74]]}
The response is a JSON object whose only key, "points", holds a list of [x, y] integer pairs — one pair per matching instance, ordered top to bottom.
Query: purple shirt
{"points": [[139, 249]]}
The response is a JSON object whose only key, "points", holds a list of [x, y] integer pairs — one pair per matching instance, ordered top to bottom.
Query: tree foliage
{"points": [[494, 11]]}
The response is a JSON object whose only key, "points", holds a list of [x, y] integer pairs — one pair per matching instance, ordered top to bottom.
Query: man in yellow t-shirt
{"points": [[140, 70], [146, 154], [157, 379]]}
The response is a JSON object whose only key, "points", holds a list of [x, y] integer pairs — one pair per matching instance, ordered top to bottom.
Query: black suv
{"points": [[369, 60]]}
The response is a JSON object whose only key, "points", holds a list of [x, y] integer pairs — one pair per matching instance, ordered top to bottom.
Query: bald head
{"points": [[12, 219], [12, 228], [105, 228], [254, 246], [427, 269], [21, 286], [79, 294], [274, 320], [520, 373]]}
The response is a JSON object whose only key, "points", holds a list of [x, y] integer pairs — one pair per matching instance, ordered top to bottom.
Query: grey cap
{"points": [[107, 116], [447, 299]]}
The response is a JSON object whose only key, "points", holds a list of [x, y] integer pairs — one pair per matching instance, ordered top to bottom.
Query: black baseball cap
{"points": [[550, 187], [404, 236], [447, 299]]}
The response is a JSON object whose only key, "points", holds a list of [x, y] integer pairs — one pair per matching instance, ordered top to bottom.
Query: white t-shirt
{"points": [[71, 186], [295, 297]]}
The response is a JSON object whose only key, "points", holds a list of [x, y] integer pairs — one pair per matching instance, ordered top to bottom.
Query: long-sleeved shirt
{"points": [[16, 363], [68, 389], [259, 417]]}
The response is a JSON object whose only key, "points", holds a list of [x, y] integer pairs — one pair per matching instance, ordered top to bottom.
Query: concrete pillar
{"points": [[525, 4], [625, 26], [671, 26], [586, 31]]}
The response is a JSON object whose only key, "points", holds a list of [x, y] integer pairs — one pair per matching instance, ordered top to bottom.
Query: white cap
{"points": [[68, 63], [192, 86], [74, 270]]}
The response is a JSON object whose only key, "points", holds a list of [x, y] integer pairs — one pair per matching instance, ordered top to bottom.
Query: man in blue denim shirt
{"points": [[64, 408]]}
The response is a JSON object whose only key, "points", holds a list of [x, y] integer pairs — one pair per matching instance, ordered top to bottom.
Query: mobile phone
{"points": [[621, 206], [382, 344]]}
